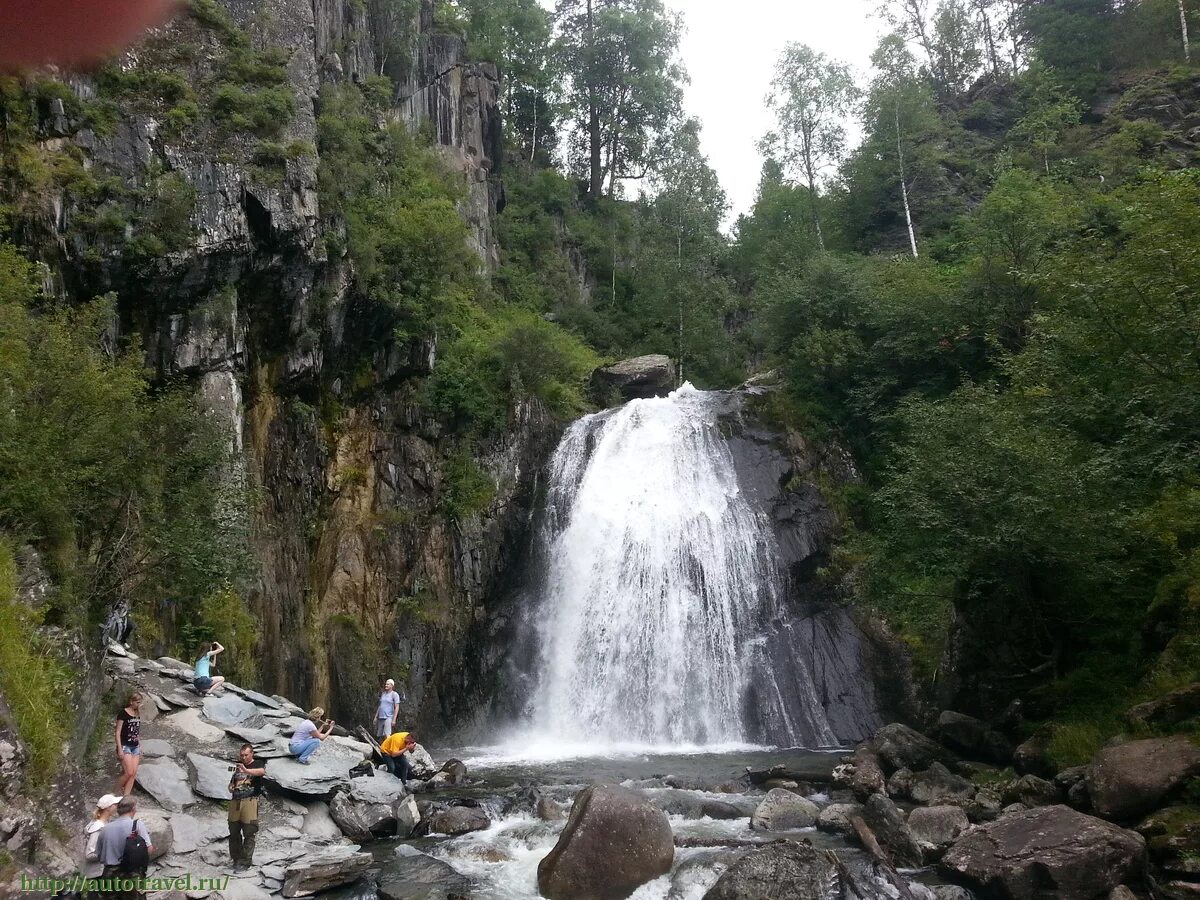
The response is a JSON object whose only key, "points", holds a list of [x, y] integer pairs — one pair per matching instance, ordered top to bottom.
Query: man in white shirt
{"points": [[388, 709], [113, 840]]}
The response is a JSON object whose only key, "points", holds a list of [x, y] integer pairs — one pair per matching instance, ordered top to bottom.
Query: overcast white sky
{"points": [[729, 48]]}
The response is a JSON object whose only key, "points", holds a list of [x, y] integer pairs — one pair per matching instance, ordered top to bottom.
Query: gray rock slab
{"points": [[182, 698], [161, 704], [228, 710], [189, 722], [255, 736], [152, 747], [328, 768], [212, 776], [165, 781], [319, 825], [191, 831], [285, 833], [325, 869]]}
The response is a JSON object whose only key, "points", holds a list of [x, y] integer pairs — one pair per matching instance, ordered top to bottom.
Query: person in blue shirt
{"points": [[205, 680]]}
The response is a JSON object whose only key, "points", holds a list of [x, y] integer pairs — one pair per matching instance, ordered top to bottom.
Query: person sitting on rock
{"points": [[205, 681], [387, 710], [128, 735], [308, 735], [395, 750], [246, 787]]}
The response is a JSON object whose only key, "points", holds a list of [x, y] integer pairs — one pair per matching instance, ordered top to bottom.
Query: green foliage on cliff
{"points": [[33, 681]]}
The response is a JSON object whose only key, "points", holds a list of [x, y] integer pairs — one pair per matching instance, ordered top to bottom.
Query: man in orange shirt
{"points": [[395, 753]]}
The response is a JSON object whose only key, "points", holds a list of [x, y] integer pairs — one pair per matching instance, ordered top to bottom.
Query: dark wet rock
{"points": [[630, 379], [1170, 709], [973, 738], [901, 747], [1032, 756], [455, 770], [211, 776], [1068, 778], [1129, 779], [167, 782], [938, 783], [900, 784], [1032, 791], [1078, 797], [984, 806], [374, 807], [718, 809], [550, 810], [781, 810], [836, 818], [455, 820], [886, 820], [935, 828], [613, 842], [1020, 856], [325, 869], [780, 869], [411, 875]]}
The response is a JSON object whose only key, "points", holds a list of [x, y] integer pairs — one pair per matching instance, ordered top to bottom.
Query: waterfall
{"points": [[660, 581]]}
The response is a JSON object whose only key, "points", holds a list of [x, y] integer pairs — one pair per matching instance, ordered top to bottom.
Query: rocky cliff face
{"points": [[360, 569]]}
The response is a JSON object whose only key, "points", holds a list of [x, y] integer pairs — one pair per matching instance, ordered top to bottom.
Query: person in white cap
{"points": [[388, 709], [106, 806]]}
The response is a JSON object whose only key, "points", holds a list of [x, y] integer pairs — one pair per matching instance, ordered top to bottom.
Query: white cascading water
{"points": [[659, 576]]}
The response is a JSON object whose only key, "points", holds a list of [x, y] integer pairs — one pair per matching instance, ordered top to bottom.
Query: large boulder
{"points": [[631, 379], [1170, 709], [230, 710], [972, 738], [901, 747], [1032, 756], [422, 763], [327, 769], [862, 774], [212, 776], [1129, 779], [167, 782], [937, 783], [374, 807], [781, 810], [837, 818], [456, 820], [886, 820], [319, 826], [937, 827], [161, 836], [614, 842], [1051, 850], [325, 869], [781, 869], [412, 875]]}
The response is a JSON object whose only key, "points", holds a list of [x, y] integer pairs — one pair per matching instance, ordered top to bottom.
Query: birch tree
{"points": [[811, 97]]}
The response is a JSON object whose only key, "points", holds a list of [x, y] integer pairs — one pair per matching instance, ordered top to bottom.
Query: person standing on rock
{"points": [[205, 681], [388, 709], [128, 735], [307, 737], [395, 750], [246, 788], [122, 854]]}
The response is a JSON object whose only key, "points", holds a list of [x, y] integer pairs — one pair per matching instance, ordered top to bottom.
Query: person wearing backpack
{"points": [[106, 807], [124, 848]]}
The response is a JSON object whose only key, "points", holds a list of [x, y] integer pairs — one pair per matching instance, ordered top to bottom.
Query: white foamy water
{"points": [[660, 574]]}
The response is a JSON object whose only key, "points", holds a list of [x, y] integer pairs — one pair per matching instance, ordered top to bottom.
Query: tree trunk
{"points": [[1183, 29], [810, 174], [596, 179], [912, 234]]}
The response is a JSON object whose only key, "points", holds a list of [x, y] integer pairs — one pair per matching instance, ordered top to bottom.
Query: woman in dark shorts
{"points": [[205, 681], [128, 735]]}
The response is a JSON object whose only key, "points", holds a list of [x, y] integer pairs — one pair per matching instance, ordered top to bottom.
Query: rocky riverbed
{"points": [[901, 814]]}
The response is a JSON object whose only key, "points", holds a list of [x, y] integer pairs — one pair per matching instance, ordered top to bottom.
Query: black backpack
{"points": [[136, 856]]}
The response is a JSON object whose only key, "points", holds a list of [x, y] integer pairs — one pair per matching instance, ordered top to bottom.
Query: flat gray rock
{"points": [[171, 663], [256, 697], [182, 698], [161, 704], [228, 710], [276, 713], [189, 722], [255, 736], [152, 747], [328, 768], [212, 776], [165, 781], [383, 787], [319, 825], [192, 831], [285, 833], [327, 868]]}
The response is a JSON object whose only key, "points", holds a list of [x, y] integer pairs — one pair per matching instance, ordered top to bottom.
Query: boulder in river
{"points": [[631, 379], [901, 747], [863, 774], [1129, 779], [374, 807], [719, 809], [781, 810], [836, 818], [884, 818], [456, 820], [937, 827], [614, 842], [1020, 856], [780, 869], [412, 875]]}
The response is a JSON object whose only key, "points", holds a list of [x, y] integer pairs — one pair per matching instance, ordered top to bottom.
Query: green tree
{"points": [[810, 97], [1050, 111]]}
